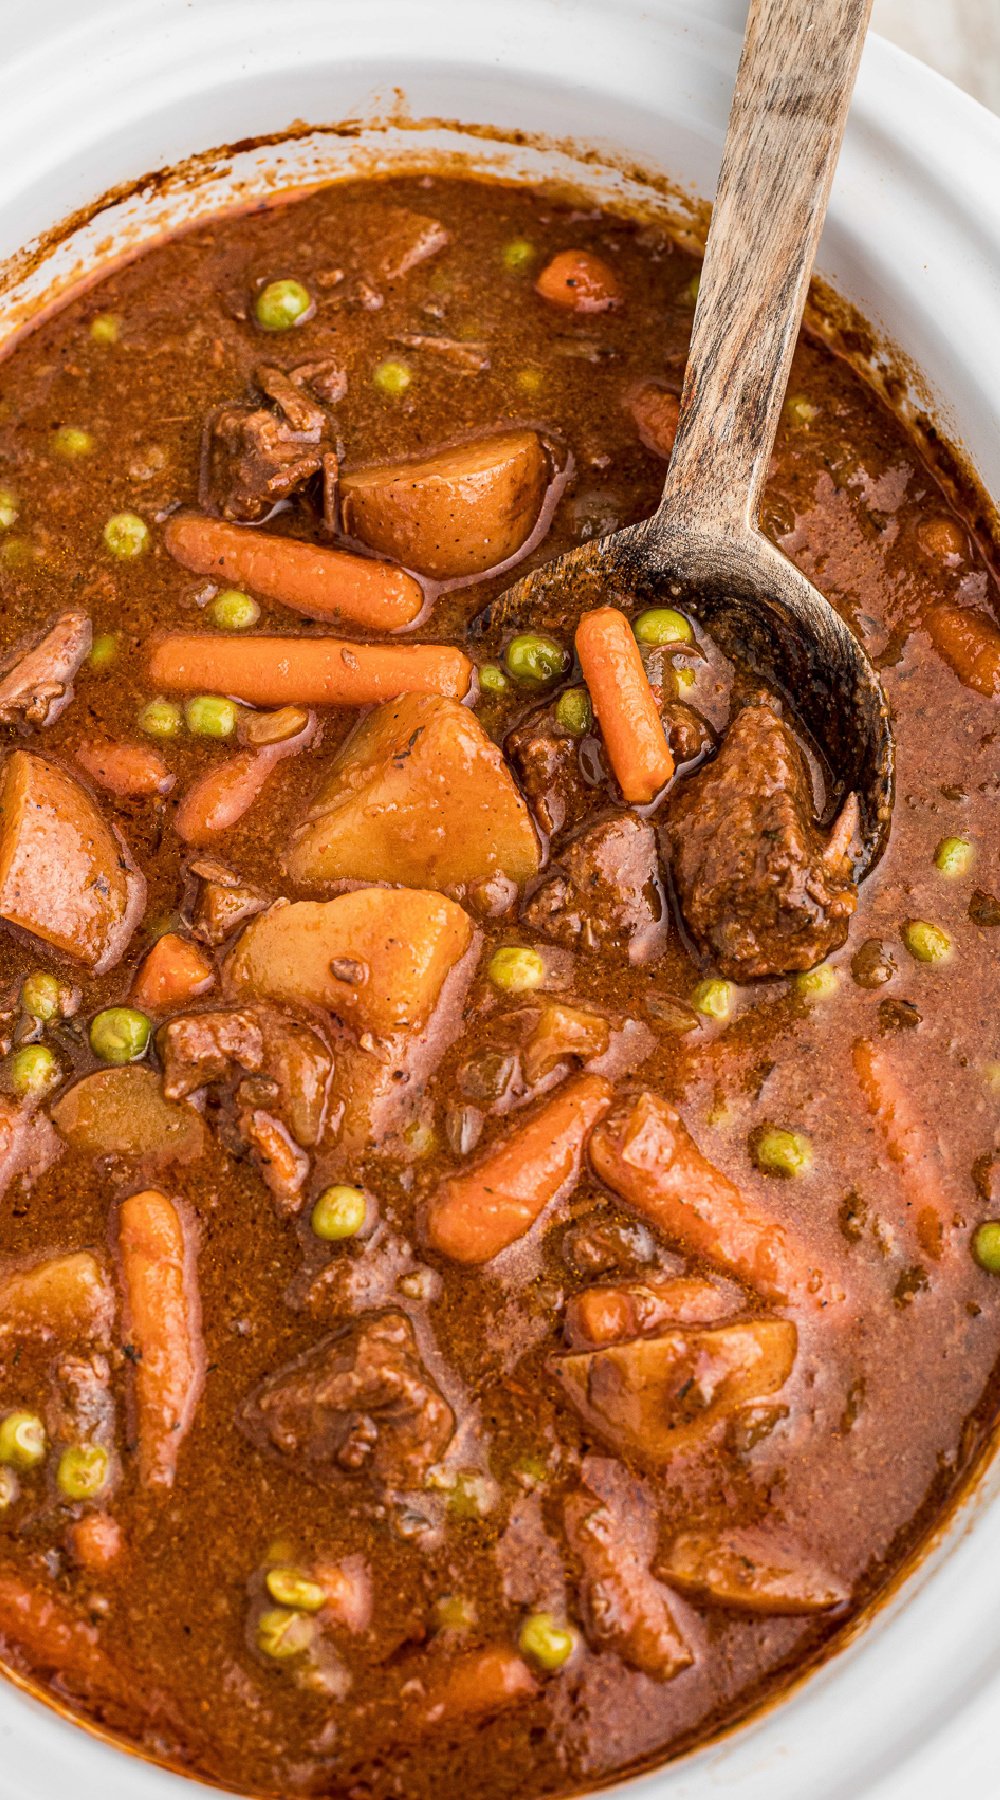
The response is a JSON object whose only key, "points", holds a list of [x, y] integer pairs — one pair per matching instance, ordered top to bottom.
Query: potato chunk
{"points": [[457, 513], [418, 794], [65, 875], [377, 957], [122, 1112], [64, 1297], [654, 1397], [753, 1571]]}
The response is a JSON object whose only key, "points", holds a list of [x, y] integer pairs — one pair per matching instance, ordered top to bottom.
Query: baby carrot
{"points": [[578, 281], [307, 578], [968, 642], [305, 671], [624, 703], [129, 771], [174, 972], [907, 1144], [647, 1156], [476, 1214], [164, 1320]]}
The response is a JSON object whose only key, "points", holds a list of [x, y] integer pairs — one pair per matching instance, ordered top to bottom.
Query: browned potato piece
{"points": [[457, 513], [418, 794], [65, 875], [377, 957], [122, 1112], [66, 1297], [653, 1397], [753, 1571]]}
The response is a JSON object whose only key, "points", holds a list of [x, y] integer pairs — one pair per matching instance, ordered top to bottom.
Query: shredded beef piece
{"points": [[253, 456], [38, 684], [546, 761], [762, 891], [608, 893], [358, 1402]]}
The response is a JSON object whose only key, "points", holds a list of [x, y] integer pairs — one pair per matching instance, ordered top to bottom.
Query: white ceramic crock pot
{"points": [[96, 95]]}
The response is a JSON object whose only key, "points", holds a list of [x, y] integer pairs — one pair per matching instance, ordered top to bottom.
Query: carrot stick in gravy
{"points": [[308, 578], [305, 671], [624, 703], [906, 1144], [647, 1156], [476, 1214], [164, 1318]]}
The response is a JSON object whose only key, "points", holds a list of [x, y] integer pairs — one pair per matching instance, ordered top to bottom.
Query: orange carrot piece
{"points": [[580, 282], [656, 412], [308, 578], [968, 642], [306, 671], [624, 703], [129, 771], [218, 799], [174, 972], [906, 1144], [647, 1156], [477, 1213], [613, 1314], [164, 1315], [96, 1542], [52, 1638], [477, 1684]]}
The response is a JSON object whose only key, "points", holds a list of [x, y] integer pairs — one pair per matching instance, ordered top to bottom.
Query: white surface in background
{"points": [[960, 38]]}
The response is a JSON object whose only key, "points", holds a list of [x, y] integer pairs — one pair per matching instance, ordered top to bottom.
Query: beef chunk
{"points": [[253, 456], [37, 684], [689, 735], [546, 761], [761, 891], [608, 893], [222, 902], [283, 1071], [358, 1402]]}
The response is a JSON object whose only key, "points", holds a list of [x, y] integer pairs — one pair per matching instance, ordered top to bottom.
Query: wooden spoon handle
{"points": [[793, 89]]}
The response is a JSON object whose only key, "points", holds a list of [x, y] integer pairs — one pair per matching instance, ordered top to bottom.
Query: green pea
{"points": [[517, 254], [688, 295], [282, 304], [105, 328], [392, 377], [530, 381], [800, 411], [71, 442], [9, 508], [126, 535], [17, 551], [232, 610], [660, 625], [103, 651], [536, 660], [684, 678], [492, 679], [574, 712], [209, 715], [161, 719], [954, 856], [926, 943], [515, 970], [817, 984], [41, 995], [714, 999], [120, 1035], [33, 1071], [420, 1138], [780, 1152], [339, 1213], [986, 1246], [22, 1440], [82, 1472], [10, 1489], [290, 1588], [454, 1612], [284, 1634], [549, 1644]]}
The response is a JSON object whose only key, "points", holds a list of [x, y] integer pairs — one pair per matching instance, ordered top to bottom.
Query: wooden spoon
{"points": [[703, 545]]}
